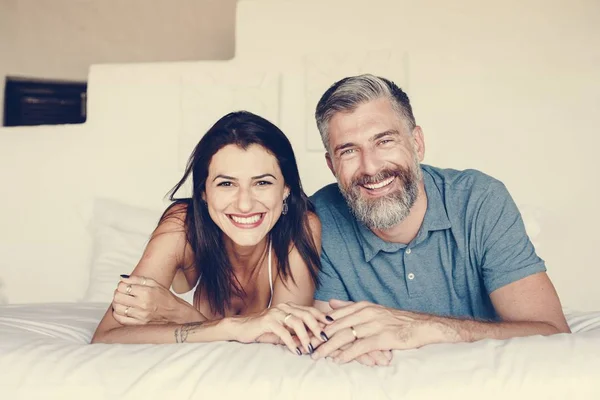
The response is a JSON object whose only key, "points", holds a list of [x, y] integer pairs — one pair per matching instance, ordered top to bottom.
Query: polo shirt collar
{"points": [[436, 218]]}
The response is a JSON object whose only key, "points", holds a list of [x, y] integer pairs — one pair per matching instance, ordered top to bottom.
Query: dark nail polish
{"points": [[124, 276], [328, 318], [324, 336], [311, 349], [298, 351]]}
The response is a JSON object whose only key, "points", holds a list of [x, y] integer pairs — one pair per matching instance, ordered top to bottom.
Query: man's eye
{"points": [[384, 141], [348, 151]]}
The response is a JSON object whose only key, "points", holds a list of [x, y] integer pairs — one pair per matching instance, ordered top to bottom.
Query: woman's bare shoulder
{"points": [[175, 213], [313, 220], [314, 224], [174, 226]]}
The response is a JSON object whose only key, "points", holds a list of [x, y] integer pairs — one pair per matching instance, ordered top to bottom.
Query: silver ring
{"points": [[143, 281], [128, 290], [127, 311], [286, 318], [354, 333]]}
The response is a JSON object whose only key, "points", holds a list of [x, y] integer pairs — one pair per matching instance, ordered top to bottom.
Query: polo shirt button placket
{"points": [[410, 276]]}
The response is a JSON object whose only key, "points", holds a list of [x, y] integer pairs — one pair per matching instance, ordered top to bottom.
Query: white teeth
{"points": [[380, 184], [251, 220]]}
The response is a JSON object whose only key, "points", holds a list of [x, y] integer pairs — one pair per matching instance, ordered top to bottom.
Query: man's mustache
{"points": [[380, 176]]}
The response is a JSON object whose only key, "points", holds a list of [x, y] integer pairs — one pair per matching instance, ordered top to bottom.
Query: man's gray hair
{"points": [[347, 94]]}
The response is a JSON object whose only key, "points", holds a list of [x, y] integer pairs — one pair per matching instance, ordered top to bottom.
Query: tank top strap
{"points": [[270, 276]]}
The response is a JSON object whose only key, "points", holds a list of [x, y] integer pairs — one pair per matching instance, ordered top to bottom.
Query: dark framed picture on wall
{"points": [[32, 101]]}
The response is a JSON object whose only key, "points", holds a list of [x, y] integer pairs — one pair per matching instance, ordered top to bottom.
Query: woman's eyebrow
{"points": [[264, 176], [231, 178]]}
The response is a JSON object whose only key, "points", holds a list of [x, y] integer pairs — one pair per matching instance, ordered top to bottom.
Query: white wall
{"points": [[60, 39], [508, 88], [511, 88]]}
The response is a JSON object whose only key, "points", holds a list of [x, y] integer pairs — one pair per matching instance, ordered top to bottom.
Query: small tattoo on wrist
{"points": [[181, 333]]}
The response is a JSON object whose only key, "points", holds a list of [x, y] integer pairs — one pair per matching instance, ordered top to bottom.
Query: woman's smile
{"points": [[247, 221]]}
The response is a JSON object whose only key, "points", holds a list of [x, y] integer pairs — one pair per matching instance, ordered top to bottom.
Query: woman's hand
{"points": [[139, 301], [276, 325]]}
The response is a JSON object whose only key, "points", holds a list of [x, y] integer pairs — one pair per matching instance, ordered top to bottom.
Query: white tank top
{"points": [[189, 296]]}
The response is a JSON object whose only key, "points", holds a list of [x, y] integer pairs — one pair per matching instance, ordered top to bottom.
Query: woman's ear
{"points": [[286, 192]]}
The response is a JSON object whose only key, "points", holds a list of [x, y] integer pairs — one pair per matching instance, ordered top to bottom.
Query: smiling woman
{"points": [[245, 192], [246, 244]]}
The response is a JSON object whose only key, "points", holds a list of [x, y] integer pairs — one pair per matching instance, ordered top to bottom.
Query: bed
{"points": [[44, 354]]}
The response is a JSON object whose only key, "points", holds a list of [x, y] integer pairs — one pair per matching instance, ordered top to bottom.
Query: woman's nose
{"points": [[245, 200]]}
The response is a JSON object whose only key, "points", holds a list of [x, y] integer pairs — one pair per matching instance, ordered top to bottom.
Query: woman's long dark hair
{"points": [[211, 261]]}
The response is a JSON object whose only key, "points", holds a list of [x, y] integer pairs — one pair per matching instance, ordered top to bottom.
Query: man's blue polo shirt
{"points": [[472, 242]]}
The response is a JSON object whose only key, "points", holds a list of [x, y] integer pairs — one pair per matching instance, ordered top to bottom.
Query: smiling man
{"points": [[412, 254]]}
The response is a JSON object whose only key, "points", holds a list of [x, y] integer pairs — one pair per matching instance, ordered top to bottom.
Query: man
{"points": [[412, 254]]}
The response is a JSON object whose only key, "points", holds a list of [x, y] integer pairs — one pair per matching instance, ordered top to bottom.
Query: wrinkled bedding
{"points": [[44, 354]]}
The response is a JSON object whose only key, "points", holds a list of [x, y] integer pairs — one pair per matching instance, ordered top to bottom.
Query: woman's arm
{"points": [[164, 254], [300, 291], [298, 294]]}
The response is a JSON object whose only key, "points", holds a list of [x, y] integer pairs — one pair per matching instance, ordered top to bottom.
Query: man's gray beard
{"points": [[387, 211]]}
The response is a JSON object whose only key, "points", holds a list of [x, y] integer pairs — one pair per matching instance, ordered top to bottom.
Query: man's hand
{"points": [[139, 301], [362, 328], [381, 358]]}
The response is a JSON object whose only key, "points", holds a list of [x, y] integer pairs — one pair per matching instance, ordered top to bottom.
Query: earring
{"points": [[284, 209]]}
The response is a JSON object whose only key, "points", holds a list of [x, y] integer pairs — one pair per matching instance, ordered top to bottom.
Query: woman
{"points": [[246, 245]]}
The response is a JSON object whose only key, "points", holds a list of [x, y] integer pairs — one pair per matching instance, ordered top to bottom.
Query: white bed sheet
{"points": [[44, 355]]}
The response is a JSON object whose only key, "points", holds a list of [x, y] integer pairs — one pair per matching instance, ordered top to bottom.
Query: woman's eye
{"points": [[263, 183], [225, 184]]}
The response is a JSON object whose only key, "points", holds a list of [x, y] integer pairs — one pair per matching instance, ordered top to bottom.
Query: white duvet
{"points": [[44, 355]]}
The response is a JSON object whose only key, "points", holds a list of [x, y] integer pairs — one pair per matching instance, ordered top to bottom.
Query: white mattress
{"points": [[44, 355]]}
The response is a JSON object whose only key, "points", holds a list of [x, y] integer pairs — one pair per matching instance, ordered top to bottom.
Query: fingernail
{"points": [[124, 276], [328, 318], [324, 336], [311, 349], [298, 351]]}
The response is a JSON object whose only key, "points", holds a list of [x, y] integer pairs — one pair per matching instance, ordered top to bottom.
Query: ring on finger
{"points": [[143, 281], [128, 290], [127, 311], [286, 318], [354, 333]]}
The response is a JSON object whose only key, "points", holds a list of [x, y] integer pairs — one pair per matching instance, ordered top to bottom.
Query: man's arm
{"points": [[529, 306], [363, 327]]}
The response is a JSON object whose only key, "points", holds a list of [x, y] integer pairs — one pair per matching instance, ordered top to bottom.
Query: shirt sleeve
{"points": [[505, 251], [331, 285]]}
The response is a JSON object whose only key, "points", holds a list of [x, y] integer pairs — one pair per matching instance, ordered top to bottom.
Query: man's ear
{"points": [[419, 139], [329, 163]]}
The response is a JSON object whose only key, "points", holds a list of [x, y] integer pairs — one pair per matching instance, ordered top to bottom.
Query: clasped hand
{"points": [[139, 301], [365, 328]]}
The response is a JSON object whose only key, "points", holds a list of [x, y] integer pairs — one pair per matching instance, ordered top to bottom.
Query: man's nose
{"points": [[370, 163]]}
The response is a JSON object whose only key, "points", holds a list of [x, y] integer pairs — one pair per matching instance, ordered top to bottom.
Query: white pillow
{"points": [[120, 234]]}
